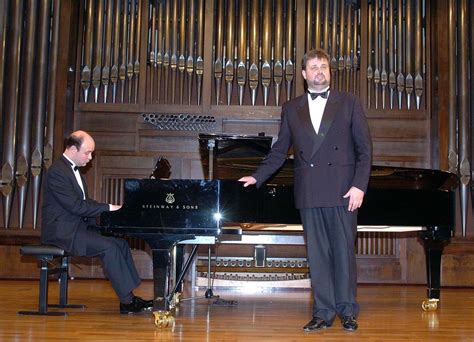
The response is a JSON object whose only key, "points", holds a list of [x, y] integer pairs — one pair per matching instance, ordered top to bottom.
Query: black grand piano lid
{"points": [[235, 146], [239, 147], [395, 195]]}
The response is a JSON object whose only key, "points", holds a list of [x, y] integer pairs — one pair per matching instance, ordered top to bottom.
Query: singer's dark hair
{"points": [[315, 53]]}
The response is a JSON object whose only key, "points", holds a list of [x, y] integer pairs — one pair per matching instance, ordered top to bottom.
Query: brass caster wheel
{"points": [[430, 304], [163, 319]]}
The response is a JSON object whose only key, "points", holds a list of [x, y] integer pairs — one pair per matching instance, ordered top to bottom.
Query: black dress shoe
{"points": [[145, 303], [137, 305], [349, 323], [316, 324]]}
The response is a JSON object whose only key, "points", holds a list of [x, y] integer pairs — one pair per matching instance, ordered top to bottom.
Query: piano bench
{"points": [[45, 255]]}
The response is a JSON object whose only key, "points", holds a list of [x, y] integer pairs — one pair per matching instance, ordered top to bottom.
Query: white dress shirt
{"points": [[316, 110], [77, 175]]}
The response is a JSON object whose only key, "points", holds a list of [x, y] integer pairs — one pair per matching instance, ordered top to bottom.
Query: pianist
{"points": [[332, 147], [67, 212]]}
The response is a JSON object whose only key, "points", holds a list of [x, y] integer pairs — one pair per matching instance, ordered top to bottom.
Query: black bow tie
{"points": [[323, 94], [75, 168]]}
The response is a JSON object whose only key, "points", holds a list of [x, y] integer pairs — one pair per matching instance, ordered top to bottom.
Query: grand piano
{"points": [[167, 213]]}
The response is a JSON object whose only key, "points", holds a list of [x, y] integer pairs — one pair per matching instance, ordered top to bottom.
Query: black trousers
{"points": [[330, 242], [116, 259]]}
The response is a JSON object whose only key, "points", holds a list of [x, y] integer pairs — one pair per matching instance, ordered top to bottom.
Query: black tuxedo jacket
{"points": [[326, 164], [64, 210]]}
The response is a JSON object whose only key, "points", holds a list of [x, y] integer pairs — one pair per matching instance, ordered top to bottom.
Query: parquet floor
{"points": [[388, 313]]}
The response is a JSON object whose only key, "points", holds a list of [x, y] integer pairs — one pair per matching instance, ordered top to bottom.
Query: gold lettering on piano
{"points": [[170, 206]]}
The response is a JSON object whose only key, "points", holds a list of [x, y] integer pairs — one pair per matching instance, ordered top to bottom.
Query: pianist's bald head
{"points": [[79, 147]]}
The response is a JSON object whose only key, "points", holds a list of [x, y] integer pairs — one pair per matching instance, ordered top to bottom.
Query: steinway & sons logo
{"points": [[169, 198], [170, 204]]}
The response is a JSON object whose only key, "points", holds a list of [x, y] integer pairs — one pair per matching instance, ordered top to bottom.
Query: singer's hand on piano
{"points": [[248, 180], [114, 207]]}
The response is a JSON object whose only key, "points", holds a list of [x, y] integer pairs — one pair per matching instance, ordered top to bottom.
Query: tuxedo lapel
{"points": [[330, 112], [305, 118]]}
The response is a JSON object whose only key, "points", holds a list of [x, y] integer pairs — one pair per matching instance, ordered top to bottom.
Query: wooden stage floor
{"points": [[388, 313]]}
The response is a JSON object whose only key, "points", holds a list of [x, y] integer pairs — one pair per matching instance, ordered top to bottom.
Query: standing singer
{"points": [[332, 158]]}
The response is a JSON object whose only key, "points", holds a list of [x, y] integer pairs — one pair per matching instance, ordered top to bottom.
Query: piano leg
{"points": [[434, 240], [165, 258], [179, 268], [162, 307]]}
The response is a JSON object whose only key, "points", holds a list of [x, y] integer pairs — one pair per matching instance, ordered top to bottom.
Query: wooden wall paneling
{"points": [[106, 107], [246, 112], [111, 122], [251, 126], [403, 130], [124, 142], [170, 142], [400, 142], [400, 153], [133, 165], [191, 168], [403, 253], [458, 262], [416, 264], [14, 266], [458, 269], [384, 270]]}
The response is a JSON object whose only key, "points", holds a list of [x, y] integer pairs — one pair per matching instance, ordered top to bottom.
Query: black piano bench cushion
{"points": [[42, 250]]}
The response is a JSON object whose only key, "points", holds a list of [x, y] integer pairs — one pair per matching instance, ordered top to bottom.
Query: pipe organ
{"points": [[253, 46], [110, 51], [396, 54], [29, 70]]}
